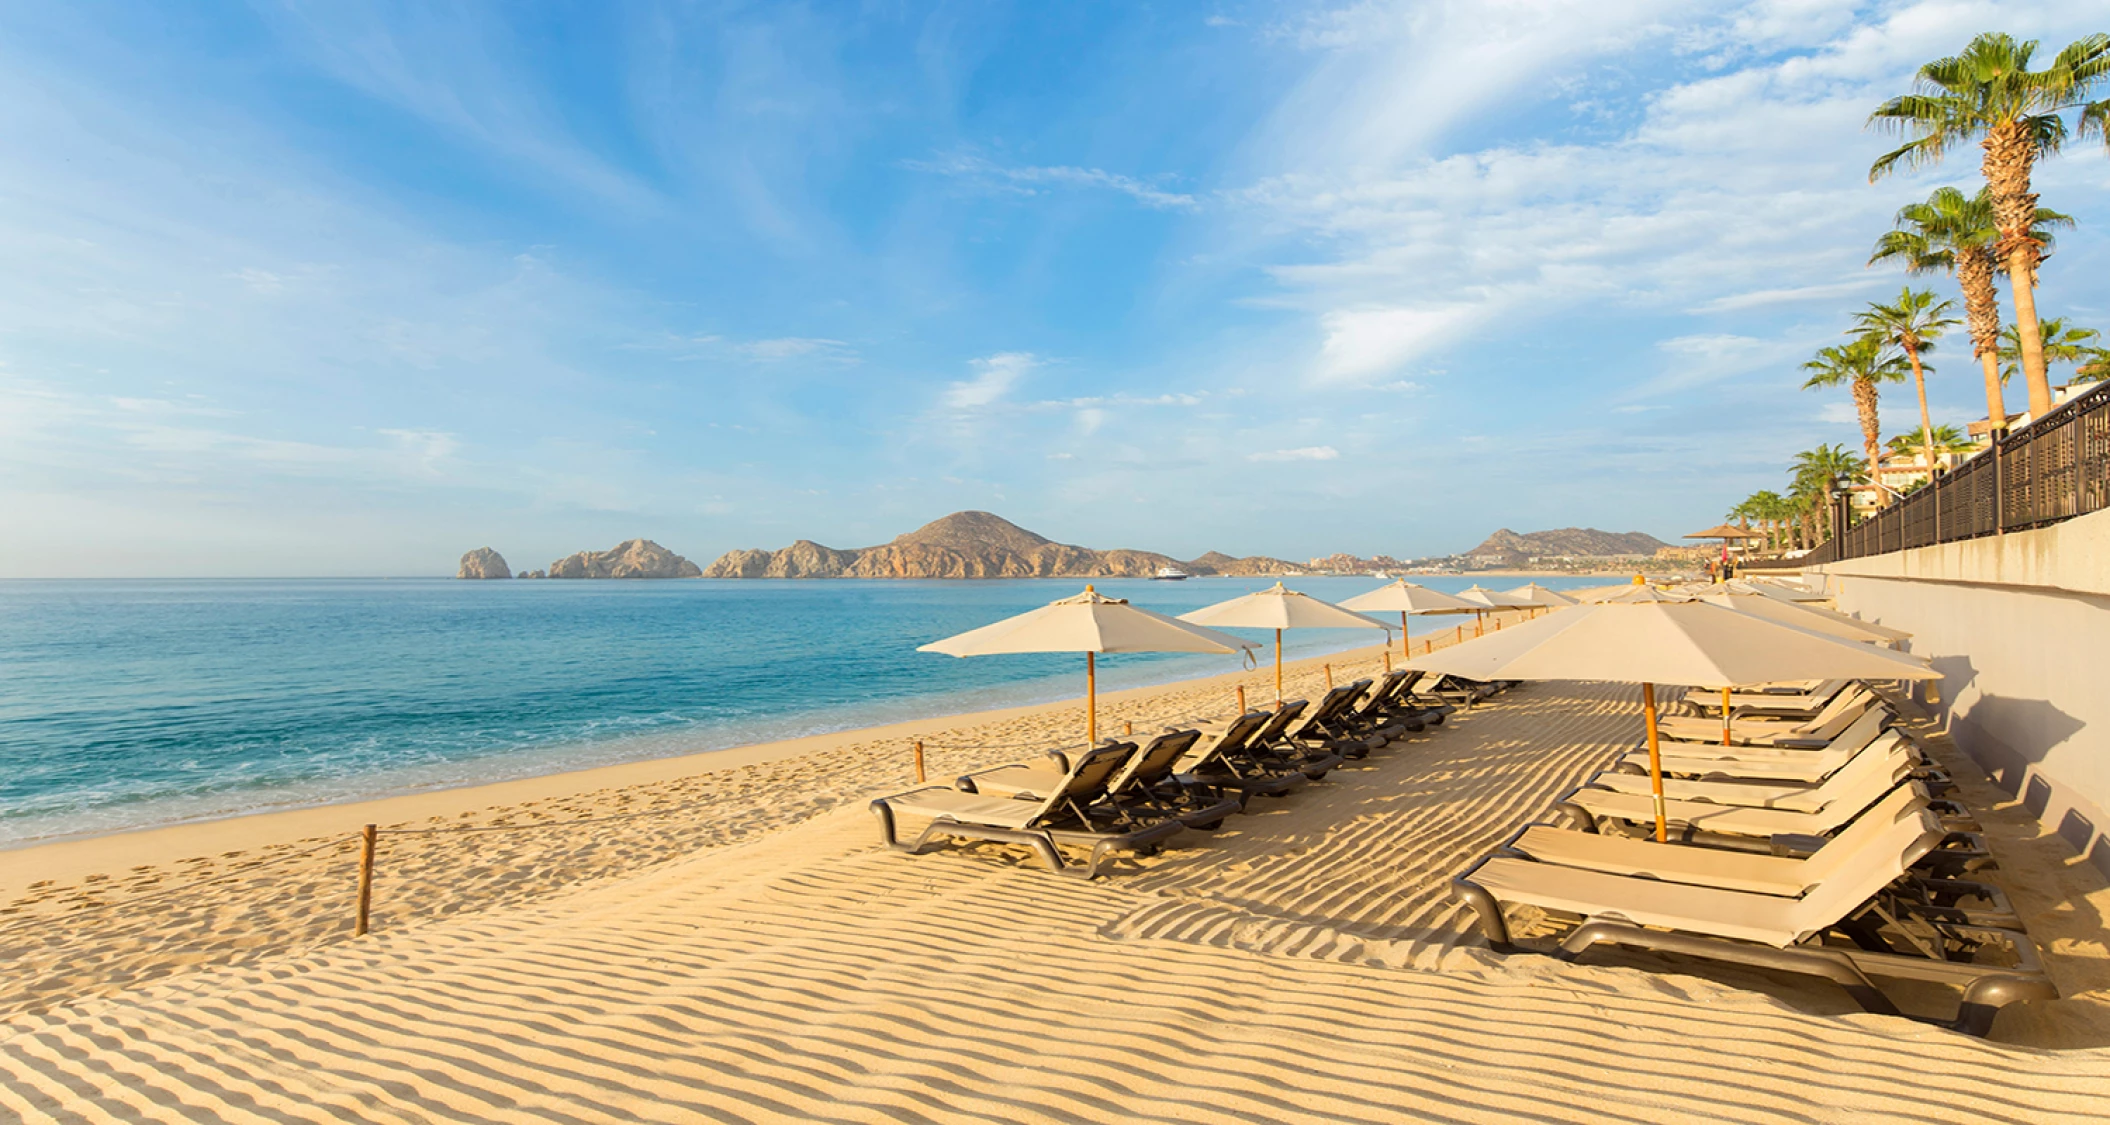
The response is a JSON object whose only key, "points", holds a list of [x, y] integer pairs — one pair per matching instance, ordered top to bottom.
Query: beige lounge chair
{"points": [[1765, 699], [1837, 715], [1862, 730], [1806, 766], [1866, 777], [1139, 788], [1591, 808], [1900, 821], [1040, 823], [1773, 931]]}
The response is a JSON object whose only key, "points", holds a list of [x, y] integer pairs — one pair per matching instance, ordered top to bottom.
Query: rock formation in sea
{"points": [[968, 545], [633, 558], [483, 562], [1216, 563]]}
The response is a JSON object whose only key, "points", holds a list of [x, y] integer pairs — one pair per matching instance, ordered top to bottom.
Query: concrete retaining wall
{"points": [[2019, 625]]}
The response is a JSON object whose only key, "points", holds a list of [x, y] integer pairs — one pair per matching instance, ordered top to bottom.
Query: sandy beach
{"points": [[721, 938]]}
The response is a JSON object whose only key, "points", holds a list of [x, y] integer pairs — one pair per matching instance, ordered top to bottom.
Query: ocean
{"points": [[129, 704]]}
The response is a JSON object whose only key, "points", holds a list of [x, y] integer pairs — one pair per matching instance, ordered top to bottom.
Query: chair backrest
{"points": [[1383, 695], [1330, 707], [1842, 710], [1280, 721], [1860, 734], [1231, 739], [1154, 762], [1871, 774], [1086, 780], [1871, 829], [1862, 871]]}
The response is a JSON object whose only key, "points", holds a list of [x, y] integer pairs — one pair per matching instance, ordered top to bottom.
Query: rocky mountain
{"points": [[1571, 541], [972, 545], [634, 558], [483, 562], [1251, 566]]}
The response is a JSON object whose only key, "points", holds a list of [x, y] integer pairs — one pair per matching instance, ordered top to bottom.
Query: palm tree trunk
{"points": [[2009, 152], [1981, 302], [1919, 382], [1871, 431]]}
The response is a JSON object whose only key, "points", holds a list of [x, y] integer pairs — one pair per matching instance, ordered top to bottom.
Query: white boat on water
{"points": [[1170, 574]]}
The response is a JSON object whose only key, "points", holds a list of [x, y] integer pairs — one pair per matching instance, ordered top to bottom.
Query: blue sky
{"points": [[347, 289]]}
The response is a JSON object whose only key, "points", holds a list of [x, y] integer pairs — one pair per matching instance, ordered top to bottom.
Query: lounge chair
{"points": [[1403, 700], [1763, 701], [1836, 716], [1328, 725], [1860, 732], [1274, 750], [1224, 757], [1807, 766], [1867, 775], [1143, 789], [1595, 808], [1060, 817], [1793, 865], [1877, 934]]}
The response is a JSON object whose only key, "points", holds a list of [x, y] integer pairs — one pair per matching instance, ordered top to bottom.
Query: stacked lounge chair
{"points": [[1834, 861]]}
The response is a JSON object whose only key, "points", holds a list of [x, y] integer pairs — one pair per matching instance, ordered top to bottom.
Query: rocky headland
{"points": [[974, 545], [632, 558], [483, 562]]}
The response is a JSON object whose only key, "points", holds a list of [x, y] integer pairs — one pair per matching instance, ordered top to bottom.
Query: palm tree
{"points": [[1989, 94], [1954, 233], [1914, 322], [2063, 343], [1859, 364], [2095, 366], [1946, 440], [1818, 473], [1771, 511]]}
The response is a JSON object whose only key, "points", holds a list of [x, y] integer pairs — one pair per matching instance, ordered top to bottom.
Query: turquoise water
{"points": [[125, 704]]}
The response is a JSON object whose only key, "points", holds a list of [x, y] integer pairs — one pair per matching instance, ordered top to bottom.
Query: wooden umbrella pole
{"points": [[1278, 669], [1091, 693], [1725, 716], [1655, 760]]}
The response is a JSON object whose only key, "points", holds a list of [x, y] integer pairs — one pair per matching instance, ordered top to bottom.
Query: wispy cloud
{"points": [[1033, 180], [1764, 298], [994, 377], [1307, 453]]}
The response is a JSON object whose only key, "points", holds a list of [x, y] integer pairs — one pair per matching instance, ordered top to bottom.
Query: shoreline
{"points": [[69, 858]]}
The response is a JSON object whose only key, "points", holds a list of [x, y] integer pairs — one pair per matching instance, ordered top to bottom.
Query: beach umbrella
{"points": [[1533, 594], [1596, 594], [1404, 597], [1486, 599], [1746, 600], [1278, 609], [1090, 623], [1650, 637]]}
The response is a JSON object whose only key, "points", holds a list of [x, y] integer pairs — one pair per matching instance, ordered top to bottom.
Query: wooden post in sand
{"points": [[1460, 638], [1428, 645], [1388, 660], [1329, 677], [1241, 699], [1128, 728], [919, 761], [366, 878]]}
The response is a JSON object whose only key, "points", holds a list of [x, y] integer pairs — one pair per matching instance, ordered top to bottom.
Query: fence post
{"points": [[1999, 486], [1329, 677], [1241, 699], [1128, 728], [919, 761], [366, 878]]}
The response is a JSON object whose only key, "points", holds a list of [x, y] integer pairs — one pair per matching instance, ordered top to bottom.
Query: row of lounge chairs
{"points": [[1125, 797], [1832, 851]]}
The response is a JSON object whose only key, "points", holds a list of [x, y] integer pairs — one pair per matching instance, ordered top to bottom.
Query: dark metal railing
{"points": [[2054, 469]]}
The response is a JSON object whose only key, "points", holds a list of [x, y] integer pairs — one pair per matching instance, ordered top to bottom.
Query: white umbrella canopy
{"points": [[1533, 594], [1403, 597], [1485, 598], [1278, 608], [1801, 616], [1090, 623], [1648, 637]]}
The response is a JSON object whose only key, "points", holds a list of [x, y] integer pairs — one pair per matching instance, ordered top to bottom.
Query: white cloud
{"points": [[1032, 180], [1762, 298], [1363, 344], [795, 347], [994, 377], [1308, 453]]}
